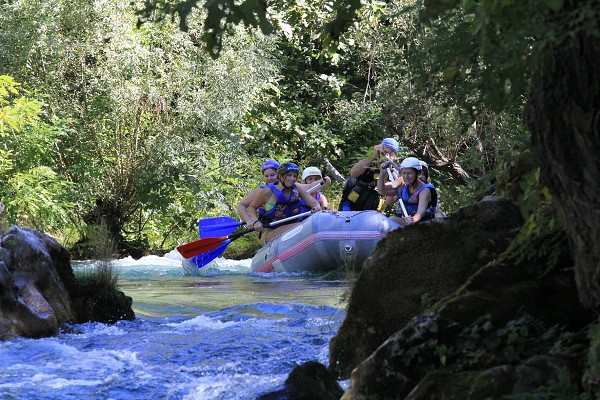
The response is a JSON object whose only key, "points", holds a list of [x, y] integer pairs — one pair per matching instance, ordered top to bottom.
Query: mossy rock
{"points": [[413, 267]]}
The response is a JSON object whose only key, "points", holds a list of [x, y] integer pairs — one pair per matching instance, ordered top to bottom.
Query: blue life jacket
{"points": [[411, 201], [305, 206], [285, 207], [261, 210]]}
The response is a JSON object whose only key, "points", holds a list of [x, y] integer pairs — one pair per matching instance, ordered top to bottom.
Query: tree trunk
{"points": [[563, 115]]}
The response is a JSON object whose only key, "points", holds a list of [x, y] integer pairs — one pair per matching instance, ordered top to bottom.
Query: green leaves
{"points": [[554, 5], [15, 111], [34, 193], [38, 198]]}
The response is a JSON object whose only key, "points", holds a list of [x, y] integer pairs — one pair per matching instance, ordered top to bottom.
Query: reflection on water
{"points": [[227, 334]]}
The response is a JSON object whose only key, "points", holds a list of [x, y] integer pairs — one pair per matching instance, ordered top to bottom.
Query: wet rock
{"points": [[414, 267], [37, 286], [34, 299], [492, 336], [387, 373], [309, 381]]}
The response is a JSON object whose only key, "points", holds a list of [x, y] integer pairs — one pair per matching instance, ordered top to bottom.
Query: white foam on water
{"points": [[154, 261], [169, 264], [219, 265], [202, 321], [95, 329], [62, 366], [54, 382], [241, 386]]}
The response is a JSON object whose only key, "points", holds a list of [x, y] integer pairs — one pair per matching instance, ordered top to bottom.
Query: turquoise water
{"points": [[226, 334]]}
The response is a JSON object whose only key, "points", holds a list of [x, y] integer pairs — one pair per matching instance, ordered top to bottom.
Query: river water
{"points": [[226, 334]]}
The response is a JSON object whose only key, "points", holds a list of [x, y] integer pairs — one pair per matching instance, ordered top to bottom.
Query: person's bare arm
{"points": [[359, 168], [385, 188], [261, 197], [308, 199], [424, 199], [389, 200], [323, 201], [243, 204]]}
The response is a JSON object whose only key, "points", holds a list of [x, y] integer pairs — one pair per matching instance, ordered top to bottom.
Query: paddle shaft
{"points": [[392, 177], [318, 185], [293, 217], [224, 223], [203, 246], [213, 246]]}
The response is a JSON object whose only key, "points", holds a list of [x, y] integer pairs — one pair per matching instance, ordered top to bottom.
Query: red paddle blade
{"points": [[200, 246]]}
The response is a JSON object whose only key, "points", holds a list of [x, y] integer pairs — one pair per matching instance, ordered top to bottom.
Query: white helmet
{"points": [[411, 162], [308, 171]]}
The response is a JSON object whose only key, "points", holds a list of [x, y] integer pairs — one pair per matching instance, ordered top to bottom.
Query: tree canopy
{"points": [[150, 132]]}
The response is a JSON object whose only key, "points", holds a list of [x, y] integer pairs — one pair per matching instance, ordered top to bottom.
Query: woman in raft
{"points": [[280, 200]]}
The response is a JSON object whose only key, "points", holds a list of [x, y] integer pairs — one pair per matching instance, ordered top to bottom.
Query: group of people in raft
{"points": [[369, 187]]}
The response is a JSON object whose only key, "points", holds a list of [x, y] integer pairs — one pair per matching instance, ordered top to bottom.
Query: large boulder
{"points": [[414, 267], [39, 292], [35, 301], [502, 314], [515, 327]]}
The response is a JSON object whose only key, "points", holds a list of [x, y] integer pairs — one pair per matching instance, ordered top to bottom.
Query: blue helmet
{"points": [[391, 143], [269, 164], [287, 167]]}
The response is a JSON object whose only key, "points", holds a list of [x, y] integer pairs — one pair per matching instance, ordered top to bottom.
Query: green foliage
{"points": [[223, 15], [506, 40], [403, 63], [150, 115], [142, 128], [33, 192], [37, 198], [541, 238], [103, 245], [243, 248], [427, 300], [481, 345], [592, 369]]}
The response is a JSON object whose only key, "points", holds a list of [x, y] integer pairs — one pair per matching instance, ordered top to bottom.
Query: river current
{"points": [[226, 334]]}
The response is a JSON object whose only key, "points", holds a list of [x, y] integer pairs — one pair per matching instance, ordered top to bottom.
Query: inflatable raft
{"points": [[325, 241]]}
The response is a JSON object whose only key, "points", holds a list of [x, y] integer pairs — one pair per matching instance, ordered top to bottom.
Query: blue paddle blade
{"points": [[217, 226], [203, 259]]}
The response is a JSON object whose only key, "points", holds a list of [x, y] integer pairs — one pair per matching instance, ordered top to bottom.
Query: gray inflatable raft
{"points": [[325, 241]]}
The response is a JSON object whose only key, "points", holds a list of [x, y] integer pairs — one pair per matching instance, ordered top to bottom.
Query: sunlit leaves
{"points": [[222, 15], [147, 108], [15, 111], [35, 195], [36, 198]]}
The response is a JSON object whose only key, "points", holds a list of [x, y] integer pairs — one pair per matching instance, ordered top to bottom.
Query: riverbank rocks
{"points": [[414, 267], [38, 290], [515, 326], [309, 381]]}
